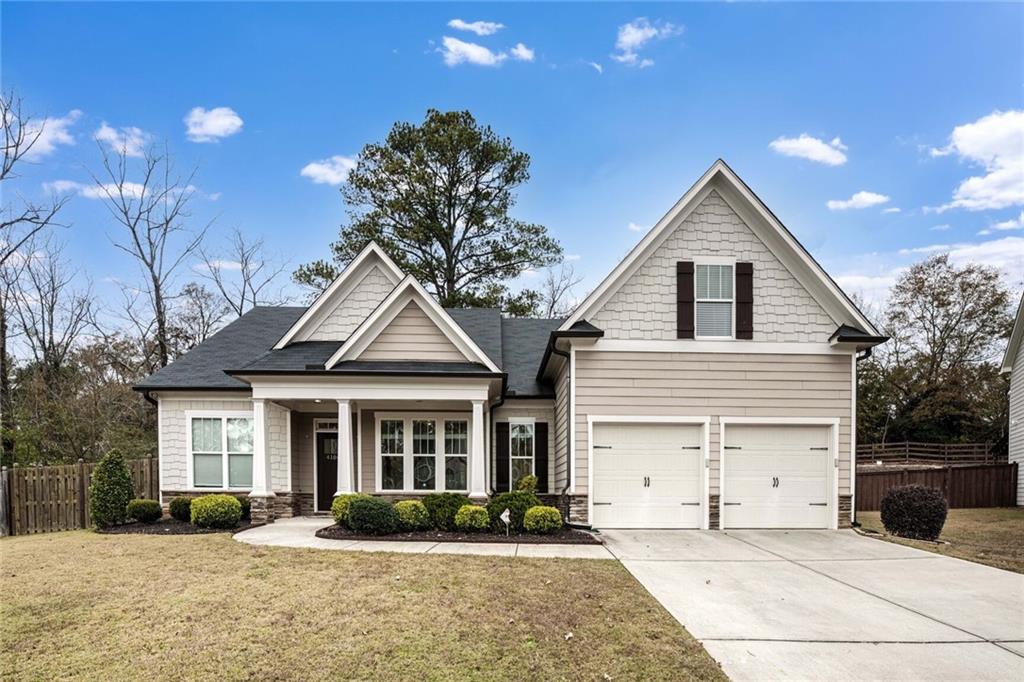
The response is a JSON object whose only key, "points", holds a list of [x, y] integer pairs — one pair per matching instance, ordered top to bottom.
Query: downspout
{"points": [[490, 426], [568, 455]]}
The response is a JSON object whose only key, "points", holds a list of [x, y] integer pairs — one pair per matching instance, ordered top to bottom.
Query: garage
{"points": [[647, 475], [777, 476]]}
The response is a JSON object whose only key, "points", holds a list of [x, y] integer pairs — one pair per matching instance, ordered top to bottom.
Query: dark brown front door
{"points": [[326, 469]]}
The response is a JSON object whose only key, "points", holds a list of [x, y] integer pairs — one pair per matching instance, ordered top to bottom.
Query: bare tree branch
{"points": [[242, 273]]}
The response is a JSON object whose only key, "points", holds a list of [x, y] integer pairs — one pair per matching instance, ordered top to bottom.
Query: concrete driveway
{"points": [[831, 605]]}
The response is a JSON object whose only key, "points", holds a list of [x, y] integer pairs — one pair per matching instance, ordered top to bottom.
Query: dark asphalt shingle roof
{"points": [[523, 341]]}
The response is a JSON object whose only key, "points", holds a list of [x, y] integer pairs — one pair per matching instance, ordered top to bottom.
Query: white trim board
{"points": [[719, 346], [218, 414]]}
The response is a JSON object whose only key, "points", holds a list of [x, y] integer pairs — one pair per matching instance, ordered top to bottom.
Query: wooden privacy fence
{"points": [[935, 453], [965, 487], [45, 499]]}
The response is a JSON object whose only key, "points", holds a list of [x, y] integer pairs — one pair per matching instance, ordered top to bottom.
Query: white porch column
{"points": [[344, 448], [478, 455], [261, 488]]}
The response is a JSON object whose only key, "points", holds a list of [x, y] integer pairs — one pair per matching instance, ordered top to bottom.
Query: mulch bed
{"points": [[171, 526], [566, 536]]}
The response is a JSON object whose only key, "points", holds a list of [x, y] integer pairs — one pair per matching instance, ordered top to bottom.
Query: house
{"points": [[1013, 364], [708, 382]]}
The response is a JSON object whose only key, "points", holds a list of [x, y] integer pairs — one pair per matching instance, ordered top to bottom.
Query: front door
{"points": [[326, 469]]}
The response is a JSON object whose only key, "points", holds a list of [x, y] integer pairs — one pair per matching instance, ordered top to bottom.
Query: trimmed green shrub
{"points": [[527, 484], [111, 491], [517, 503], [340, 506], [246, 507], [443, 507], [181, 508], [146, 511], [216, 511], [914, 511], [372, 515], [412, 515], [472, 519], [542, 520]]}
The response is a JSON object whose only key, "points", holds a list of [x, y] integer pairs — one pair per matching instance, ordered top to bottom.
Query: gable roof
{"points": [[765, 225], [1016, 338]]}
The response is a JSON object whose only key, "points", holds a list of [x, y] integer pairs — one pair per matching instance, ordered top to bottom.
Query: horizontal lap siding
{"points": [[412, 336], [715, 385], [561, 418], [1016, 435], [367, 454]]}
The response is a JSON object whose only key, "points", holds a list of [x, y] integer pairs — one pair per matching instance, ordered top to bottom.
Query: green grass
{"points": [[991, 536], [82, 605]]}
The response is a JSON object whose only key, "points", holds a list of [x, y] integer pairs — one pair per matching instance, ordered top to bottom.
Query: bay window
{"points": [[221, 451]]}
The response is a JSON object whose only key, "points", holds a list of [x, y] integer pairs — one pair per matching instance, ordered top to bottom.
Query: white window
{"points": [[713, 301], [520, 450], [221, 451], [411, 451]]}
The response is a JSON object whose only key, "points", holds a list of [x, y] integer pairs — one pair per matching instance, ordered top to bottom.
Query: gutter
{"points": [[490, 425]]}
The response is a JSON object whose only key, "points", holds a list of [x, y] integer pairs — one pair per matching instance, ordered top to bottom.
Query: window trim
{"points": [[715, 260], [223, 415], [407, 418], [522, 421]]}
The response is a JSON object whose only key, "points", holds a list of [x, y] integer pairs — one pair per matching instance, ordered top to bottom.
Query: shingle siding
{"points": [[349, 312]]}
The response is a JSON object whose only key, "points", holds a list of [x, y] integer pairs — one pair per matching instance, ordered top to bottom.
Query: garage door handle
{"points": [[602, 447], [691, 447], [733, 447], [826, 448], [602, 504], [690, 504], [732, 504], [817, 504]]}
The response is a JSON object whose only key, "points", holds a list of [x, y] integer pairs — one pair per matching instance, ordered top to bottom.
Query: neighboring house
{"points": [[1013, 364], [708, 382]]}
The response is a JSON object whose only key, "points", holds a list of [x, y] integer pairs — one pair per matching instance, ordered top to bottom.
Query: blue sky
{"points": [[621, 107]]}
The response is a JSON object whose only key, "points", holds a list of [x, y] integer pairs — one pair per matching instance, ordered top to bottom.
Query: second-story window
{"points": [[713, 301]]}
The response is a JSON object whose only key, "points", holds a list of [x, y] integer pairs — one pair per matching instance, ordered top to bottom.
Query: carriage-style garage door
{"points": [[647, 475], [776, 476]]}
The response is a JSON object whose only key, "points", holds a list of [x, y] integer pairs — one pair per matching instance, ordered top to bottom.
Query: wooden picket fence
{"points": [[905, 452], [965, 487], [53, 498]]}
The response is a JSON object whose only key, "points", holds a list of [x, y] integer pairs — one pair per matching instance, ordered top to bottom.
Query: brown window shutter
{"points": [[684, 299], [744, 300], [540, 455], [501, 463]]}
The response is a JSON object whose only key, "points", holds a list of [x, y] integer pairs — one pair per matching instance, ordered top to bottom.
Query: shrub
{"points": [[527, 484], [110, 491], [517, 503], [340, 507], [443, 507], [181, 508], [146, 511], [216, 511], [914, 511], [372, 515], [412, 515], [472, 519], [542, 520]]}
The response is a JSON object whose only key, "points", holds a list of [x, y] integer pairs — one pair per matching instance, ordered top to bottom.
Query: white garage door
{"points": [[647, 476], [776, 476]]}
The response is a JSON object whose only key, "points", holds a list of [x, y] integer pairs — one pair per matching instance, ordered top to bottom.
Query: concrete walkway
{"points": [[301, 532], [822, 605]]}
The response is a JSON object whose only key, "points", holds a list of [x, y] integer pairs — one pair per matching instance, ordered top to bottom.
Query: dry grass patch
{"points": [[992, 536], [147, 607]]}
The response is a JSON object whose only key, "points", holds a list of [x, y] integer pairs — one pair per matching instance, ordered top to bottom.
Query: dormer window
{"points": [[713, 289]]}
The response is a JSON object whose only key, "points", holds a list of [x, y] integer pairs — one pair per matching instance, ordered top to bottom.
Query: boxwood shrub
{"points": [[527, 484], [110, 491], [517, 502], [340, 507], [443, 507], [181, 508], [145, 511], [216, 511], [914, 511], [412, 515], [372, 516], [472, 519], [542, 520]]}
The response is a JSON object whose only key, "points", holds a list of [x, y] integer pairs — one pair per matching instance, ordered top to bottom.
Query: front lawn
{"points": [[991, 536], [83, 605]]}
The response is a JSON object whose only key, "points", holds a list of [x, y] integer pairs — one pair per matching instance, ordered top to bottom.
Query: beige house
{"points": [[1013, 364], [708, 382]]}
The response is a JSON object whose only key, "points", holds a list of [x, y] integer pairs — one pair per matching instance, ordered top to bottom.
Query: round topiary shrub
{"points": [[527, 484], [110, 491], [517, 503], [340, 506], [443, 507], [181, 508], [145, 511], [216, 511], [914, 511], [412, 515], [372, 516], [472, 519], [542, 520]]}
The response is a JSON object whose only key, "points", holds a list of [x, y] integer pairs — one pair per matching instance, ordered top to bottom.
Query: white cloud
{"points": [[481, 28], [635, 35], [457, 52], [522, 53], [596, 67], [209, 125], [52, 132], [130, 140], [996, 143], [811, 148], [331, 171], [62, 186], [132, 190], [859, 200], [892, 209], [1011, 224], [633, 227], [941, 228], [1007, 253], [571, 257], [219, 264], [872, 288]]}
